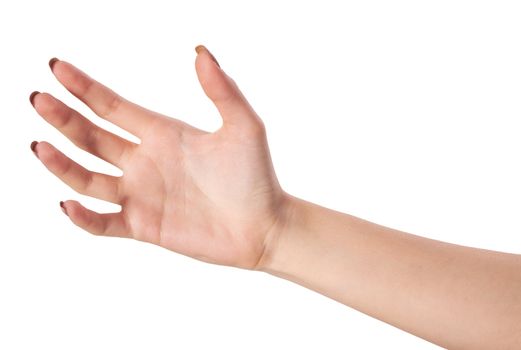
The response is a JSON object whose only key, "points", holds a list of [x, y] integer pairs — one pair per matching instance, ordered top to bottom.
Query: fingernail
{"points": [[201, 48], [52, 62], [32, 95], [33, 147], [62, 206]]}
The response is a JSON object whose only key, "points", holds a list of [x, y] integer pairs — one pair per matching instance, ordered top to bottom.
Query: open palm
{"points": [[211, 196]]}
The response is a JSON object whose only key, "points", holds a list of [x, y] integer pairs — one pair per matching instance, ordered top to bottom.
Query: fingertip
{"points": [[201, 50], [52, 63], [204, 65], [67, 74], [215, 82], [224, 92], [32, 96], [45, 104], [33, 146], [44, 149], [51, 157], [63, 207], [75, 211], [78, 214], [109, 224]]}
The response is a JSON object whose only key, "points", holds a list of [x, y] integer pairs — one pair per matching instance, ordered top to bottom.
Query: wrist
{"points": [[275, 239], [307, 243]]}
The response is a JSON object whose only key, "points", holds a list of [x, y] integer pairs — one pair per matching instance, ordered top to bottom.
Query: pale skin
{"points": [[214, 196]]}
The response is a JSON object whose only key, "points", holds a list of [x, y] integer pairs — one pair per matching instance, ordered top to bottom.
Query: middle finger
{"points": [[81, 131]]}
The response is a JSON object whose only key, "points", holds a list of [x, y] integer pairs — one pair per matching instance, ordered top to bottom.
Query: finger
{"points": [[223, 91], [103, 101], [81, 131], [81, 180], [110, 224]]}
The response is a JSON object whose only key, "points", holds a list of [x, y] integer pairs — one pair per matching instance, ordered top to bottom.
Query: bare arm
{"points": [[214, 196], [451, 295]]}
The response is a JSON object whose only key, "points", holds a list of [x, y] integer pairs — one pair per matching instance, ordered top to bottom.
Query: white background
{"points": [[401, 112]]}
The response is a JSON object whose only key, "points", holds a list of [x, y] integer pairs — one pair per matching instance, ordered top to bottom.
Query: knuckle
{"points": [[85, 86], [112, 105], [50, 108], [66, 118], [256, 128], [91, 139], [125, 153], [54, 161], [67, 166], [86, 185], [117, 189], [94, 225]]}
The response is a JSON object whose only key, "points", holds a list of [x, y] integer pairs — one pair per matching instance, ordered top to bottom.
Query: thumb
{"points": [[223, 91]]}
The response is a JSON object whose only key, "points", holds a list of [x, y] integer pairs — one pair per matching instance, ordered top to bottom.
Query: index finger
{"points": [[103, 101]]}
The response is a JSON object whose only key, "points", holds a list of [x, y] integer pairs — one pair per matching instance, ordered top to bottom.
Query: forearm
{"points": [[455, 296]]}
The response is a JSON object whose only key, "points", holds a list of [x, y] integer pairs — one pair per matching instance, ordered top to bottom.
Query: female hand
{"points": [[211, 196], [215, 197]]}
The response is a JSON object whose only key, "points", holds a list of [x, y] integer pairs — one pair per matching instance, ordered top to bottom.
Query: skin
{"points": [[215, 197]]}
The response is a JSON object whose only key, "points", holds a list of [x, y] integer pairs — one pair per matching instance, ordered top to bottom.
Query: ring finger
{"points": [[81, 180]]}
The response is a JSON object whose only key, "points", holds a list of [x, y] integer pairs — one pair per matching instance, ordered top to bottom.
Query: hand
{"points": [[211, 196]]}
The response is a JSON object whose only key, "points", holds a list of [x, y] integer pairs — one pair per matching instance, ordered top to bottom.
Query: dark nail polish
{"points": [[201, 48], [52, 62], [32, 95], [33, 148], [62, 206]]}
